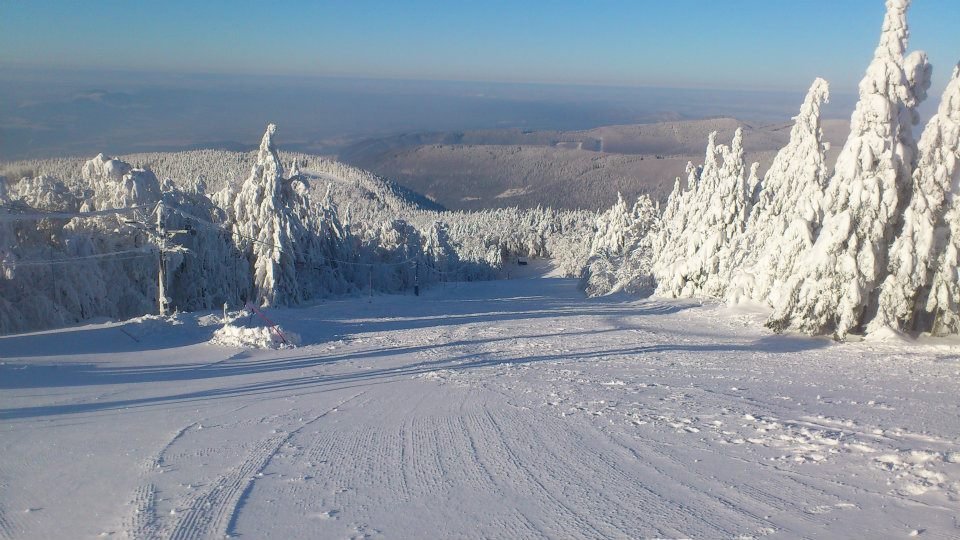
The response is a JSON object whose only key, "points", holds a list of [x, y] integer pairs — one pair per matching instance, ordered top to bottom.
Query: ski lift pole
{"points": [[162, 275]]}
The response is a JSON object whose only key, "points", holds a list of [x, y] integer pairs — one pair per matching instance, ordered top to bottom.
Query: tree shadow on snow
{"points": [[364, 377]]}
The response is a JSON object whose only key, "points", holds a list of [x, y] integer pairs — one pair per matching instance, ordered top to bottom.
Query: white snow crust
{"points": [[491, 409]]}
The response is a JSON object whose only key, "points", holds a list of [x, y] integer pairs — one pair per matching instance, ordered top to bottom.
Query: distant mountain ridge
{"points": [[472, 170]]}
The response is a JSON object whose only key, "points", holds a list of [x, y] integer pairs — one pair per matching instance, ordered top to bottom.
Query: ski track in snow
{"points": [[503, 409]]}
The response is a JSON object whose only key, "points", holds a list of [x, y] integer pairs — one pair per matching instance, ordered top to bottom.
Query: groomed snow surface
{"points": [[512, 408]]}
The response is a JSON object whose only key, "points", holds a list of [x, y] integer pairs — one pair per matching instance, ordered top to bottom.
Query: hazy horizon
{"points": [[115, 77], [117, 112]]}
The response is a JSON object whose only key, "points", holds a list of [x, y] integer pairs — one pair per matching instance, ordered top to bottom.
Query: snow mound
{"points": [[254, 338]]}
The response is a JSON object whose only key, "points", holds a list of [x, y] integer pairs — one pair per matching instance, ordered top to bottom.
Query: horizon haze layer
{"points": [[81, 79]]}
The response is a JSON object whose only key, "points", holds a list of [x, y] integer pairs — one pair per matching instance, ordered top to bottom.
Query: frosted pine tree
{"points": [[733, 210], [787, 210], [263, 229], [612, 229], [669, 240], [672, 241], [697, 254], [622, 257], [441, 261], [635, 273], [833, 286], [922, 291], [943, 302]]}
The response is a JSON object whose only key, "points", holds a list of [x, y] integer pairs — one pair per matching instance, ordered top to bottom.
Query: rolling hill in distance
{"points": [[582, 169]]}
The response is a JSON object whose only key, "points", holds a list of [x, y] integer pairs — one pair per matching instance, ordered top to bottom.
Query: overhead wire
{"points": [[10, 215], [69, 260]]}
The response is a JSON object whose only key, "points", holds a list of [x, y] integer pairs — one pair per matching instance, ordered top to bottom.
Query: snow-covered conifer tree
{"points": [[787, 211], [263, 229], [612, 229], [696, 245], [925, 253], [622, 256], [833, 286], [943, 302]]}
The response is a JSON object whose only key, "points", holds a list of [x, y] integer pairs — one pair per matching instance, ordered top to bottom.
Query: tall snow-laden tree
{"points": [[787, 210], [713, 213], [672, 222], [612, 228], [263, 229], [670, 242], [622, 257], [833, 286], [922, 292], [943, 302]]}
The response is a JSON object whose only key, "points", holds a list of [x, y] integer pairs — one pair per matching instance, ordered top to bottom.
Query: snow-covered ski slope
{"points": [[511, 408]]}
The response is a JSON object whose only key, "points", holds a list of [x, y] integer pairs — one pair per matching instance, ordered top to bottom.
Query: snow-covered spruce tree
{"points": [[736, 190], [787, 212], [612, 227], [264, 229], [319, 241], [567, 241], [672, 241], [667, 242], [440, 254], [697, 260], [625, 264], [212, 272], [635, 273], [833, 287], [921, 292], [943, 302]]}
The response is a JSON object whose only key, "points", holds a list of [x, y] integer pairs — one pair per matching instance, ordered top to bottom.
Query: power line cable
{"points": [[36, 216], [48, 262]]}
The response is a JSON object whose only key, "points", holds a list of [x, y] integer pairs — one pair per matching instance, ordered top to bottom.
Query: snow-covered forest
{"points": [[82, 239], [872, 245], [868, 247]]}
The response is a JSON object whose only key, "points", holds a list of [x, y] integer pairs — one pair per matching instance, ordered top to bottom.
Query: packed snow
{"points": [[489, 409]]}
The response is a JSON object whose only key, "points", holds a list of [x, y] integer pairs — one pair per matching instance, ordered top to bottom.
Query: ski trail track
{"points": [[500, 410], [211, 509], [7, 527]]}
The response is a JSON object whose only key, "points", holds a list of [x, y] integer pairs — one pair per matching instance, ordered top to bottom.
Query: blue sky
{"points": [[736, 44]]}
